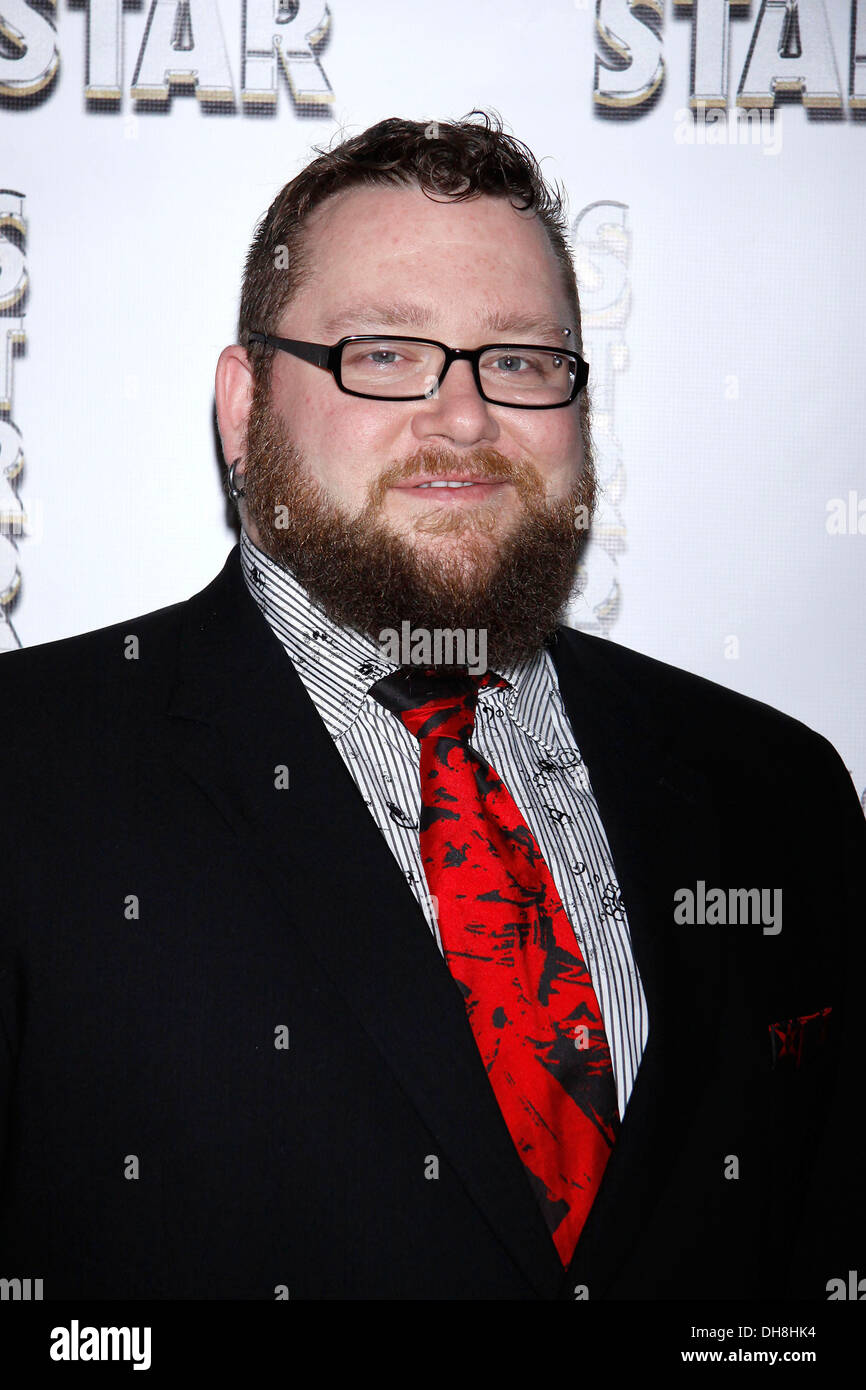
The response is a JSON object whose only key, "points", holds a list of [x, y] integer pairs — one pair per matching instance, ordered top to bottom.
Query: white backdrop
{"points": [[719, 254]]}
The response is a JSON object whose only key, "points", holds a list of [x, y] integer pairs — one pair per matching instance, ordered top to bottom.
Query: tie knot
{"points": [[431, 703]]}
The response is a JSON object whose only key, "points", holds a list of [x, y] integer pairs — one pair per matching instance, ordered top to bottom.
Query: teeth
{"points": [[467, 484]]}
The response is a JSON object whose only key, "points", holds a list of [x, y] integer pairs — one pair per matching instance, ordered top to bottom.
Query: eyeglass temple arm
{"points": [[319, 355]]}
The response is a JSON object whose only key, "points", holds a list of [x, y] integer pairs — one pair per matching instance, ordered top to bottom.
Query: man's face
{"points": [[334, 483]]}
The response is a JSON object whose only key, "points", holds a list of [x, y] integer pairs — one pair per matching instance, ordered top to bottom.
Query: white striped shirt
{"points": [[523, 733]]}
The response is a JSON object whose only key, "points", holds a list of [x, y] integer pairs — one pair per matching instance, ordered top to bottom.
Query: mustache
{"points": [[438, 463]]}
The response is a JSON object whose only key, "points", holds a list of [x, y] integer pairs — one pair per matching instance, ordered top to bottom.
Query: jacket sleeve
{"points": [[9, 1026], [833, 1235]]}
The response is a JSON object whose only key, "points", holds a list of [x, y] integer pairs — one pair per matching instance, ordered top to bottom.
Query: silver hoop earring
{"points": [[234, 491]]}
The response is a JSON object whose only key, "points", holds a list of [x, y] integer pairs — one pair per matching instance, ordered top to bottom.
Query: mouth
{"points": [[451, 487]]}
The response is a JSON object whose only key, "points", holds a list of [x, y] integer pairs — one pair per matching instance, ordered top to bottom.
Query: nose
{"points": [[456, 410]]}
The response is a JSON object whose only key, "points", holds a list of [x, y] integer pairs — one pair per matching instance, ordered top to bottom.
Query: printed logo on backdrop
{"points": [[180, 47], [786, 51], [601, 248], [13, 305]]}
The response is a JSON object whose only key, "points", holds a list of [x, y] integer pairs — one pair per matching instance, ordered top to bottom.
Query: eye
{"points": [[378, 354], [374, 355], [517, 364]]}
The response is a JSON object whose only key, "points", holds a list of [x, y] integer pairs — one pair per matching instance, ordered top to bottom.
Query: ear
{"points": [[233, 389]]}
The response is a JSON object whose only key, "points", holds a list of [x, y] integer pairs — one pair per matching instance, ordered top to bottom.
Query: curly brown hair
{"points": [[457, 159]]}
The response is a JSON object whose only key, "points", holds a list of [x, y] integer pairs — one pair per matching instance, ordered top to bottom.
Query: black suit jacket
{"points": [[166, 908]]}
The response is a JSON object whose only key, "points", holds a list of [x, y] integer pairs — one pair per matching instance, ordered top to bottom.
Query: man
{"points": [[339, 965]]}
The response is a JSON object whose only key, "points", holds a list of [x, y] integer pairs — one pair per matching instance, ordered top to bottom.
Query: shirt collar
{"points": [[338, 665]]}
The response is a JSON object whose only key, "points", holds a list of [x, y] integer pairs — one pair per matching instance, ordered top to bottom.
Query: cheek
{"points": [[373, 430], [573, 449], [347, 450], [557, 452]]}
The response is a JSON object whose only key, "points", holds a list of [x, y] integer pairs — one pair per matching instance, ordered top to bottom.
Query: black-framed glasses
{"points": [[394, 368]]}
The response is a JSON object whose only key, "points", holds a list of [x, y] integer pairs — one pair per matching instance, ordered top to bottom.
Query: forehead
{"points": [[397, 246]]}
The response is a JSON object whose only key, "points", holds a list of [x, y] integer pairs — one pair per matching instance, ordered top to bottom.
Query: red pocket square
{"points": [[795, 1040]]}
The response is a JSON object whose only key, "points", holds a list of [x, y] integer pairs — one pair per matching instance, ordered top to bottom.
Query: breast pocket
{"points": [[797, 1042]]}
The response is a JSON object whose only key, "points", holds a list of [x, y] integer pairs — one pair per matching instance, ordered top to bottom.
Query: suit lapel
{"points": [[238, 712], [656, 810]]}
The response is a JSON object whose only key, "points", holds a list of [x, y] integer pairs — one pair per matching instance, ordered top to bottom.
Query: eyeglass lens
{"points": [[510, 374]]}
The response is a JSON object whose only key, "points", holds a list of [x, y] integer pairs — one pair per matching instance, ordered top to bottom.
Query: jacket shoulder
{"points": [[89, 662], [52, 669], [692, 709]]}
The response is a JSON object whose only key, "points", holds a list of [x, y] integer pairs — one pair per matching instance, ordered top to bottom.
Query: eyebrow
{"points": [[406, 314]]}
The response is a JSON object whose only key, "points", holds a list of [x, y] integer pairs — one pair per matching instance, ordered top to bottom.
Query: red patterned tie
{"points": [[512, 951]]}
